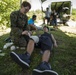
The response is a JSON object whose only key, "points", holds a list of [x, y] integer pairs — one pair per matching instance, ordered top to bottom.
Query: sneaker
{"points": [[20, 59], [44, 69]]}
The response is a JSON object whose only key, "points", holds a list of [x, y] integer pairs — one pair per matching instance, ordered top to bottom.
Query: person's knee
{"points": [[35, 38], [31, 40], [48, 51]]}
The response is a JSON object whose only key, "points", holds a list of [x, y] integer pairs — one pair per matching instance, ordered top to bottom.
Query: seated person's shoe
{"points": [[20, 59], [44, 69]]}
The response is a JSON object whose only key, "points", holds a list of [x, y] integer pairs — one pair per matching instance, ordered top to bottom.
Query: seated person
{"points": [[31, 23], [19, 25], [45, 43]]}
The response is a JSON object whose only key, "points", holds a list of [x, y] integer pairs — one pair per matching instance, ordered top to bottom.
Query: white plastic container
{"points": [[7, 45], [13, 48]]}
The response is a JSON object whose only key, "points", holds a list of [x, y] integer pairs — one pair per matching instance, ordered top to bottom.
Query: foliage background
{"points": [[7, 6]]}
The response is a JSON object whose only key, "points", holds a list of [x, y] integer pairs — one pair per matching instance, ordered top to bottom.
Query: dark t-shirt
{"points": [[45, 41]]}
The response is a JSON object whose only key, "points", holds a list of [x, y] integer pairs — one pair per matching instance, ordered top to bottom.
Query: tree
{"points": [[6, 7]]}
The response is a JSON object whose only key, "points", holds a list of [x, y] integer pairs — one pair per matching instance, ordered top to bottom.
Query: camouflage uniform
{"points": [[19, 23]]}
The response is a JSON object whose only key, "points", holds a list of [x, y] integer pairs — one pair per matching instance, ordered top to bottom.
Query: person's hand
{"points": [[25, 32], [30, 32], [55, 45]]}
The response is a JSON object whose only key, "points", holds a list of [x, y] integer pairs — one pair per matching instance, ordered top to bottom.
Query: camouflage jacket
{"points": [[19, 23]]}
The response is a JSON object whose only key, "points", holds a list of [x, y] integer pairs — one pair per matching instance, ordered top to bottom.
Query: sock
{"points": [[27, 54]]}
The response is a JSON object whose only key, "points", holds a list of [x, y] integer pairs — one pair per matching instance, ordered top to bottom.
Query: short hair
{"points": [[25, 4], [47, 8], [34, 16], [46, 27]]}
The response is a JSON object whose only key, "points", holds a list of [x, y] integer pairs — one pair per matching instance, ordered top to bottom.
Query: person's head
{"points": [[25, 7], [47, 9], [34, 17], [45, 29]]}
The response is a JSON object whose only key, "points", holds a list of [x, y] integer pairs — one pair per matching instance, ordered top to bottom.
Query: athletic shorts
{"points": [[48, 18], [35, 38], [44, 43]]}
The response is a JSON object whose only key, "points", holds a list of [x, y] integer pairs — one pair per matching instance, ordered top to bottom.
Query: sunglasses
{"points": [[27, 8]]}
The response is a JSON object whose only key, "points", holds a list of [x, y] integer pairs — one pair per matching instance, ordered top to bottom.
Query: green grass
{"points": [[63, 59]]}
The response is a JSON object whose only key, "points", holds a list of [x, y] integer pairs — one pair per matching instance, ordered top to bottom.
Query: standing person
{"points": [[47, 16], [54, 18], [19, 22], [31, 24], [45, 43]]}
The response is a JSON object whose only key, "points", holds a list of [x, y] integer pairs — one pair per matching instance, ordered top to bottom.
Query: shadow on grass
{"points": [[62, 60]]}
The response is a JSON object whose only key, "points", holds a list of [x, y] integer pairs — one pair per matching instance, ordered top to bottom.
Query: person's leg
{"points": [[44, 20], [48, 20], [53, 23], [56, 23], [32, 27], [31, 43], [30, 47], [46, 56], [24, 59], [44, 68]]}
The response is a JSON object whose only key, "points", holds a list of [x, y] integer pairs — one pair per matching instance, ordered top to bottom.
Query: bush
{"points": [[6, 7]]}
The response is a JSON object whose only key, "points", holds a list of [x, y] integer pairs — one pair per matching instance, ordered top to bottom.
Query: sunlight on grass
{"points": [[4, 31], [69, 31], [70, 34]]}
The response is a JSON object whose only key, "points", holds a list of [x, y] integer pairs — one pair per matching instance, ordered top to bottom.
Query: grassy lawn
{"points": [[62, 60]]}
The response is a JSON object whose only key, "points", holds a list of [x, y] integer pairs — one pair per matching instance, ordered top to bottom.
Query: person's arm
{"points": [[42, 9], [31, 24], [54, 41]]}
